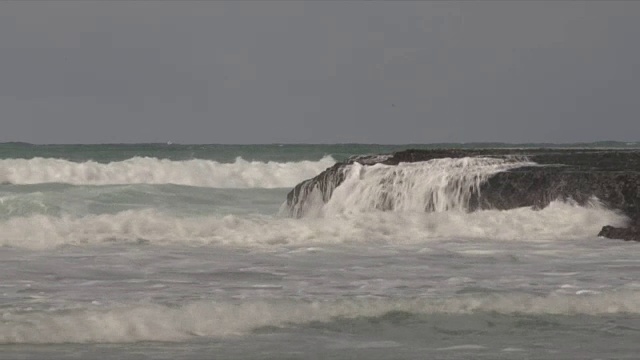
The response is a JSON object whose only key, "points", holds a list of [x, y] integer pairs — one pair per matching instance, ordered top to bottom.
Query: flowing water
{"points": [[176, 251]]}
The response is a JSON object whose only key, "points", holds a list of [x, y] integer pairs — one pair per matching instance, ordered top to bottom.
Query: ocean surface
{"points": [[163, 251]]}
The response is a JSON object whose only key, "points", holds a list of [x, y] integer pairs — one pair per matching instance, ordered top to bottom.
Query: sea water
{"points": [[175, 251]]}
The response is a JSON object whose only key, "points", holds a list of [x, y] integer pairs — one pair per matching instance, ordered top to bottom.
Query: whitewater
{"points": [[147, 170], [181, 251]]}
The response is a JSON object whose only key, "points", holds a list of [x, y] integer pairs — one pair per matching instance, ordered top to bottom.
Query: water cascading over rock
{"points": [[469, 180]]}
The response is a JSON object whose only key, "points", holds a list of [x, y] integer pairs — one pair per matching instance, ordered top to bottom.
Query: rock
{"points": [[613, 176], [537, 187], [630, 233], [626, 234]]}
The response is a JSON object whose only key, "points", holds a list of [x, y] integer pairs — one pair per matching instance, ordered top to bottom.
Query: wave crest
{"points": [[146, 170], [557, 221], [153, 322]]}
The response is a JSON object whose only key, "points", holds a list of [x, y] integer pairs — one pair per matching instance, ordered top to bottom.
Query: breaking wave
{"points": [[146, 170], [557, 221], [153, 322]]}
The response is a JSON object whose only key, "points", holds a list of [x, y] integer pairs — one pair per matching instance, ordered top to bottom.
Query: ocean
{"points": [[166, 251]]}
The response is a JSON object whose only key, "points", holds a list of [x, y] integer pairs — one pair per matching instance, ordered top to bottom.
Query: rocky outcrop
{"points": [[613, 176], [537, 187], [631, 233]]}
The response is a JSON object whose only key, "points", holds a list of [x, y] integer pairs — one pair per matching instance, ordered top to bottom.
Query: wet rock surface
{"points": [[613, 176], [631, 233]]}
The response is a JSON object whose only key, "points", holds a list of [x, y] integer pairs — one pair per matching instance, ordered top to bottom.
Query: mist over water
{"points": [[158, 252]]}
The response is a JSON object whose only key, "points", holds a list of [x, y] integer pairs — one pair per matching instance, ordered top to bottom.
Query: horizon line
{"points": [[171, 143]]}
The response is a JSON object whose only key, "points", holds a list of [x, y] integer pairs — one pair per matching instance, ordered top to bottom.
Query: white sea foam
{"points": [[145, 170], [436, 185], [558, 221], [152, 322]]}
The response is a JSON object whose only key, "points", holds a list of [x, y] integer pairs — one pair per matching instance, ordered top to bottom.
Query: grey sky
{"points": [[321, 72]]}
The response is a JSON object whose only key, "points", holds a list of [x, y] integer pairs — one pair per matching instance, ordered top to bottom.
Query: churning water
{"points": [[182, 252]]}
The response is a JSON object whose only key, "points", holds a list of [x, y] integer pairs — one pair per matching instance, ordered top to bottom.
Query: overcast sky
{"points": [[319, 72]]}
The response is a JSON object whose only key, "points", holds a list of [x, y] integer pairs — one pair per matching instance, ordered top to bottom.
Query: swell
{"points": [[148, 170], [558, 221], [154, 322]]}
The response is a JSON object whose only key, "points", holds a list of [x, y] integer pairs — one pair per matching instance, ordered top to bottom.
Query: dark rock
{"points": [[613, 176], [325, 182], [537, 187], [630, 233]]}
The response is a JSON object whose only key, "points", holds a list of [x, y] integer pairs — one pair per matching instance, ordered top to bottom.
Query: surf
{"points": [[149, 170], [560, 221], [155, 322]]}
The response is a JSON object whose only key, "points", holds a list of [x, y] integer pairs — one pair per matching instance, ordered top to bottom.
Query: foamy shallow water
{"points": [[447, 299]]}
